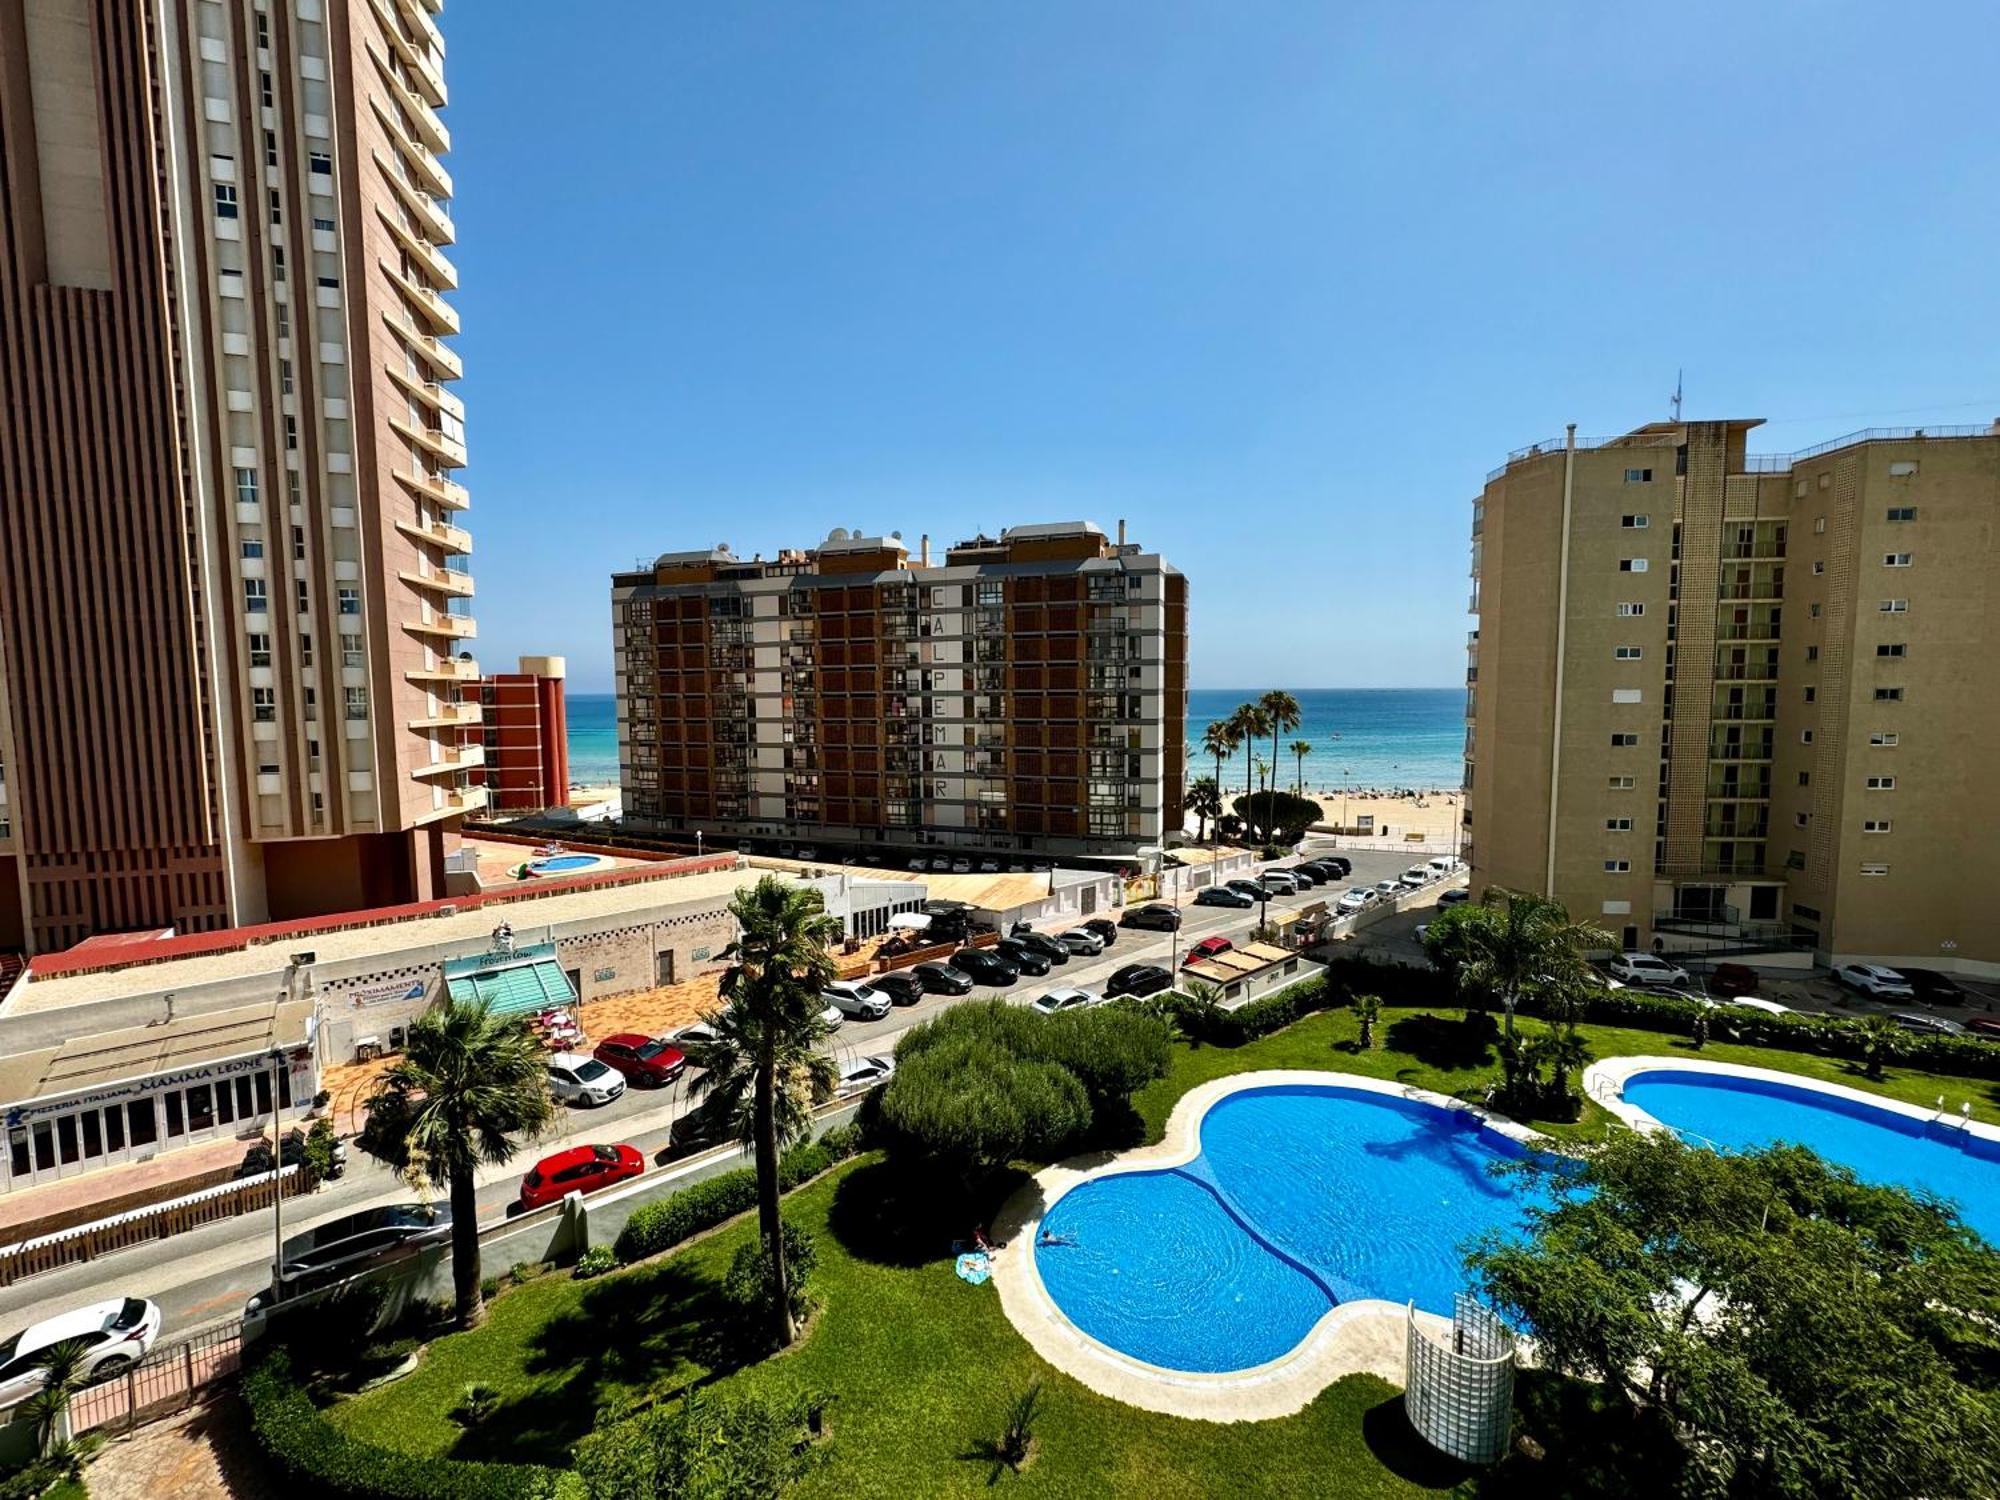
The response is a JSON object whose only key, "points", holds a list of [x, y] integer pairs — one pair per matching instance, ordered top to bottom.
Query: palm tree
{"points": [[1281, 715], [1249, 724], [1220, 741], [1301, 749], [1204, 800], [1519, 943], [1882, 1041], [1566, 1051], [766, 1054], [469, 1087], [65, 1371]]}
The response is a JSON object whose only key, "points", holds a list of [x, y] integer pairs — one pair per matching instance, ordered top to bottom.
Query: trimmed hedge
{"points": [[703, 1205], [321, 1460]]}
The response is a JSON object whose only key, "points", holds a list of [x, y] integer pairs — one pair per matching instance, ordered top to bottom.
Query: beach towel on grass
{"points": [[975, 1267]]}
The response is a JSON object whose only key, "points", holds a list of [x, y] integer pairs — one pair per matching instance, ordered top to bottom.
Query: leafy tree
{"points": [[1281, 715], [1300, 750], [1204, 800], [1278, 816], [1511, 945], [765, 1058], [469, 1088], [751, 1287], [1805, 1334], [748, 1447]]}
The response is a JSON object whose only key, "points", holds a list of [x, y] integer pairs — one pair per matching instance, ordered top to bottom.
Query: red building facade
{"points": [[525, 729]]}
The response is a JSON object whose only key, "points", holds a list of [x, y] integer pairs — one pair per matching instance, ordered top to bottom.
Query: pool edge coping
{"points": [[1604, 1083], [1367, 1336]]}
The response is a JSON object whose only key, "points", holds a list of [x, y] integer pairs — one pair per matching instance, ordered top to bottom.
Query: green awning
{"points": [[528, 984]]}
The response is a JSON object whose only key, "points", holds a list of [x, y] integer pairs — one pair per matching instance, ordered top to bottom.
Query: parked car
{"points": [[1340, 864], [1444, 864], [918, 865], [941, 865], [961, 867], [989, 867], [1327, 867], [1307, 874], [1418, 876], [1282, 882], [1388, 890], [1255, 893], [1222, 895], [1454, 896], [1354, 899], [1156, 917], [1105, 928], [1081, 942], [1208, 947], [1050, 948], [1025, 959], [983, 967], [1646, 968], [942, 979], [1138, 979], [1731, 980], [1875, 981], [900, 986], [1933, 988], [1065, 997], [857, 998], [1754, 1002], [833, 1017], [1916, 1020], [1985, 1027], [697, 1034], [647, 1060], [863, 1073], [576, 1079], [709, 1123], [581, 1169], [343, 1247], [115, 1335]]}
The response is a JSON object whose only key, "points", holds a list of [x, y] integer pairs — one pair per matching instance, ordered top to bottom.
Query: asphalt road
{"points": [[206, 1274]]}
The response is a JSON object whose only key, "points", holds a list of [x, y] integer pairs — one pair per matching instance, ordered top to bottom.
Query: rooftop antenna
{"points": [[1677, 394]]}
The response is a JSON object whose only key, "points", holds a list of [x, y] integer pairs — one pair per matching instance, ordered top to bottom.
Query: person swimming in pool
{"points": [[1050, 1237]]}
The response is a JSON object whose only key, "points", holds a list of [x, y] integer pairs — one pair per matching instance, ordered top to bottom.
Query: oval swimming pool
{"points": [[565, 864], [1738, 1112], [1303, 1197]]}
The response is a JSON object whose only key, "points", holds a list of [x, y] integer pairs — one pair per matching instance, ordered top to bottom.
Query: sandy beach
{"points": [[1432, 817]]}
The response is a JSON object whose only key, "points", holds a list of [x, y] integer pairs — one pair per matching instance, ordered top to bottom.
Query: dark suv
{"points": [[1158, 918], [1040, 942], [1023, 958], [982, 967], [1138, 979], [359, 1242]]}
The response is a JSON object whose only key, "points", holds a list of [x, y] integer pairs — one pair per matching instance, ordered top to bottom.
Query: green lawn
{"points": [[922, 1366]]}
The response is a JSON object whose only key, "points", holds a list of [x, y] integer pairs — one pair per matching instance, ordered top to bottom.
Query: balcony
{"points": [[419, 21], [426, 74], [423, 118], [430, 172], [429, 212], [419, 248], [442, 315], [442, 359], [433, 395], [447, 451], [435, 487], [452, 539], [451, 584], [451, 627], [451, 670], [1746, 671], [1752, 713], [451, 716], [454, 758], [465, 798]]}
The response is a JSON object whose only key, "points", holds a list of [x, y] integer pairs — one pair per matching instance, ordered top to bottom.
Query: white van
{"points": [[1443, 865]]}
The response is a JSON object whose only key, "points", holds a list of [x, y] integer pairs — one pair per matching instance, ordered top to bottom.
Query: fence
{"points": [[88, 1241], [165, 1381]]}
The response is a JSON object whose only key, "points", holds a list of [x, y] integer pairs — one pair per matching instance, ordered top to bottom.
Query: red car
{"points": [[1208, 947], [651, 1060], [581, 1169]]}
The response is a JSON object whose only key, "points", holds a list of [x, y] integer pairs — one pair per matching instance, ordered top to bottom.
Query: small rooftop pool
{"points": [[566, 864]]}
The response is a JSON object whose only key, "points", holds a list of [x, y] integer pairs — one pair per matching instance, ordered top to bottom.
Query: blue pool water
{"points": [[562, 863], [1880, 1146], [1303, 1197]]}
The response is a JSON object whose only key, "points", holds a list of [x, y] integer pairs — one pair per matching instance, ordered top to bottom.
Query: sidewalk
{"points": [[50, 1206]]}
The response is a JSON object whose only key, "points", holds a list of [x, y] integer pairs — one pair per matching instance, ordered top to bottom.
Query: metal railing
{"points": [[165, 1381]]}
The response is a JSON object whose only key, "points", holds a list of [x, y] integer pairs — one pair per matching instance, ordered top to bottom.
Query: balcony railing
{"points": [[448, 493], [452, 539]]}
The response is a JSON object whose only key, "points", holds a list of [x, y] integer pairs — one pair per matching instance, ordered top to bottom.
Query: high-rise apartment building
{"points": [[232, 589], [1029, 692], [1726, 701], [524, 732]]}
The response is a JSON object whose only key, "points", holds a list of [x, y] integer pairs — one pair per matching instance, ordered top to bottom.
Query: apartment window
{"points": [[263, 29], [264, 90], [271, 149], [320, 162], [225, 200], [278, 218], [323, 224], [277, 262], [332, 283], [284, 321], [285, 376], [291, 433], [1638, 476], [246, 486], [293, 491], [1902, 513], [1635, 523], [1819, 526], [298, 544], [253, 546], [1895, 559], [1819, 567], [253, 596], [305, 601], [350, 601], [1894, 606], [1813, 610], [1630, 611], [1892, 648], [260, 651], [1627, 653], [1812, 653], [350, 656], [1812, 693], [1888, 695], [357, 702], [312, 703], [264, 704], [1805, 736], [1884, 737], [1623, 741], [312, 754], [267, 768], [1805, 778], [1622, 783], [1881, 783], [319, 803], [1801, 819], [1617, 825], [1875, 825], [1796, 860], [1617, 866], [1871, 868]]}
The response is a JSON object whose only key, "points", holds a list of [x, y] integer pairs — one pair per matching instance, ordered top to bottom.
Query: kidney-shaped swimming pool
{"points": [[1303, 1197]]}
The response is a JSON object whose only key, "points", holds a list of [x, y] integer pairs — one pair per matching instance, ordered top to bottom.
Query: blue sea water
{"points": [[1389, 737], [1747, 1113], [1303, 1197]]}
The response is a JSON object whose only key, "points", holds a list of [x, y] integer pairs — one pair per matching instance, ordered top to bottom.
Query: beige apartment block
{"points": [[233, 592], [1724, 702]]}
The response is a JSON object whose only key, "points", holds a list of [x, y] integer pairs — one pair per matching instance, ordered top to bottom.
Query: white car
{"points": [[1443, 865], [961, 867], [1418, 875], [1279, 882], [1388, 890], [1355, 899], [1082, 942], [1646, 968], [1875, 981], [1066, 997], [857, 998], [1752, 1002], [832, 1017], [700, 1034], [864, 1073], [576, 1079], [115, 1336]]}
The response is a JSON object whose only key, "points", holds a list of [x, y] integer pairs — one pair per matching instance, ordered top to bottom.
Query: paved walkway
{"points": [[167, 1175], [204, 1453]]}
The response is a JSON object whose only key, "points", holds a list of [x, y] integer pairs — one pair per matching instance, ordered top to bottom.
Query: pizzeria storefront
{"points": [[105, 1100]]}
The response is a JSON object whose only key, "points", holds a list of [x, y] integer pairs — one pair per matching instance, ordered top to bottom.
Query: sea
{"points": [[1360, 737]]}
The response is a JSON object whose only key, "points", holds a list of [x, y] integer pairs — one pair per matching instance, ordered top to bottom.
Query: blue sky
{"points": [[1276, 283]]}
